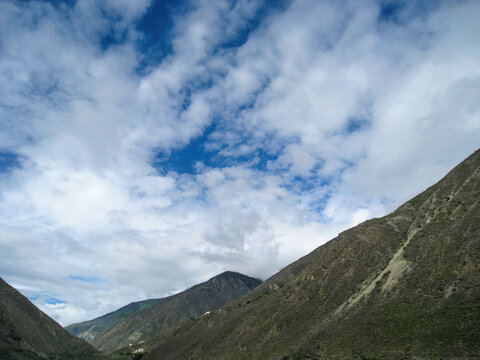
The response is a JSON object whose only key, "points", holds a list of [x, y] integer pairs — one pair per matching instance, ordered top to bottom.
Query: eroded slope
{"points": [[404, 285]]}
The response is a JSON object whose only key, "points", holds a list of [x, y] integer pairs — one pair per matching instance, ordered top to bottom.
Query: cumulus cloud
{"points": [[311, 117]]}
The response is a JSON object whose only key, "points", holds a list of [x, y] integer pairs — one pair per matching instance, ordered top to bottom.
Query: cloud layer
{"points": [[304, 119]]}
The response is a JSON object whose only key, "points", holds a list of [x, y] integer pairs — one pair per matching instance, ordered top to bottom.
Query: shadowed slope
{"points": [[404, 285], [27, 333]]}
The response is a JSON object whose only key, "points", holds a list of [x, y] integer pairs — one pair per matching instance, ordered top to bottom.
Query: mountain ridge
{"points": [[403, 285], [148, 322], [89, 329]]}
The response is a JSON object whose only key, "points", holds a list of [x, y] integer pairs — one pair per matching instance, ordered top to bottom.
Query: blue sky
{"points": [[146, 146]]}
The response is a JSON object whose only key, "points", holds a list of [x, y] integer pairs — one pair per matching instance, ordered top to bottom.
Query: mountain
{"points": [[403, 286], [167, 312], [88, 330], [26, 333]]}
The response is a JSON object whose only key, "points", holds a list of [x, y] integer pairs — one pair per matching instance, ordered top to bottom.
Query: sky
{"points": [[146, 146]]}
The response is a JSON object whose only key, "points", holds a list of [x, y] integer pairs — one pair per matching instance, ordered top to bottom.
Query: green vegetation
{"points": [[403, 286], [149, 322], [88, 330], [26, 333], [299, 355], [125, 356]]}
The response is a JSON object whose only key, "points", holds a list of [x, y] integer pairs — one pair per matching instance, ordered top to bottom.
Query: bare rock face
{"points": [[403, 286], [28, 333]]}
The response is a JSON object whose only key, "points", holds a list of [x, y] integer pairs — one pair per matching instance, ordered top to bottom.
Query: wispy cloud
{"points": [[252, 134], [91, 280]]}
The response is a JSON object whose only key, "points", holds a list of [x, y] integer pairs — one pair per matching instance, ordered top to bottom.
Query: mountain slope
{"points": [[396, 287], [147, 323], [90, 329], [27, 333]]}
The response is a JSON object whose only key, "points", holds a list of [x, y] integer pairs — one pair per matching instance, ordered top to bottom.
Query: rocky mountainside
{"points": [[403, 286], [151, 321], [90, 329], [27, 333]]}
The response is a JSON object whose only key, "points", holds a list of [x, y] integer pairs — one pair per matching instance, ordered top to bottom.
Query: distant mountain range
{"points": [[403, 286], [141, 321], [90, 329], [26, 333]]}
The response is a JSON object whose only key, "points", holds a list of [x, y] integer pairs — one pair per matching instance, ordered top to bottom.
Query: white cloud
{"points": [[355, 116]]}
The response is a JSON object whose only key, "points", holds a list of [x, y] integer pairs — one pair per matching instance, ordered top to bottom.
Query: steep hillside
{"points": [[403, 286], [147, 323], [88, 330], [27, 333]]}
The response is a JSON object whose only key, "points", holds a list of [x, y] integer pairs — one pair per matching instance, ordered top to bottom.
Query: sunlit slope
{"points": [[404, 285], [149, 322]]}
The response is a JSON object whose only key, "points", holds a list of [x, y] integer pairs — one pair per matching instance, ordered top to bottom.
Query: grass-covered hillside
{"points": [[403, 286], [147, 323], [90, 329], [26, 333]]}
